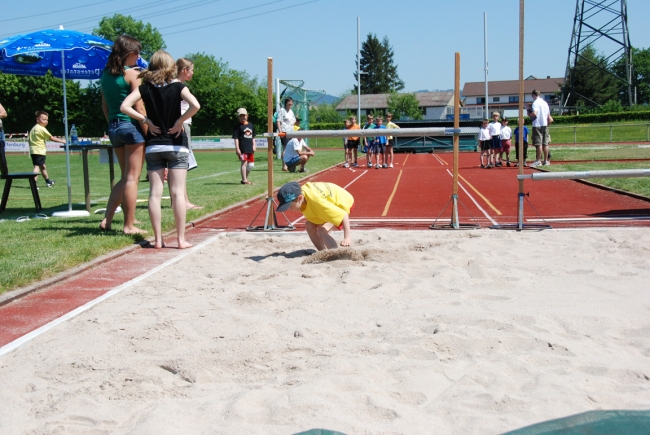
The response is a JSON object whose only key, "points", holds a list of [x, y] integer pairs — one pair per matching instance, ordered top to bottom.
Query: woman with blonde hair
{"points": [[127, 137], [166, 142]]}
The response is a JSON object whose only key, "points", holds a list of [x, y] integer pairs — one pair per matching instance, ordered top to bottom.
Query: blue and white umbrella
{"points": [[68, 54]]}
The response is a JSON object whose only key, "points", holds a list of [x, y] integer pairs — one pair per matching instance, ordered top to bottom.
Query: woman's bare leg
{"points": [[134, 157], [176, 180], [157, 185], [117, 193]]}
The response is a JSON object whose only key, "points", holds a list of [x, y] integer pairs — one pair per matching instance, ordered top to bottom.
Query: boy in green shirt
{"points": [[38, 137]]}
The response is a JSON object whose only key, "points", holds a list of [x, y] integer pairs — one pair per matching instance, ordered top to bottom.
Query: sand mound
{"points": [[342, 254]]}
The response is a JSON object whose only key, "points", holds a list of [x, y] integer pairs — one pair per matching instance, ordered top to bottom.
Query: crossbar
{"points": [[371, 132], [614, 173]]}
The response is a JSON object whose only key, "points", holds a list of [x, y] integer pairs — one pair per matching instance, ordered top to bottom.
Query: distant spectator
{"points": [[539, 114], [286, 120], [506, 134], [244, 135], [368, 141], [485, 141], [353, 142], [390, 145], [525, 146], [297, 154]]}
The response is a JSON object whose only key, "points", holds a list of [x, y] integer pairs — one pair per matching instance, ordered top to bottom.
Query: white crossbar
{"points": [[431, 131], [615, 173]]}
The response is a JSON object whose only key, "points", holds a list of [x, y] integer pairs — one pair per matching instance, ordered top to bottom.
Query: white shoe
{"points": [[535, 163], [546, 163], [370, 165], [391, 165], [346, 166], [377, 166]]}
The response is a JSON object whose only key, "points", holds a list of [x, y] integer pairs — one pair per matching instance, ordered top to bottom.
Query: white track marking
{"points": [[474, 201], [28, 337]]}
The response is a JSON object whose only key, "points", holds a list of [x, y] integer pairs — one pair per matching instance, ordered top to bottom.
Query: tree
{"points": [[150, 38], [379, 73], [640, 76], [590, 84], [221, 91], [22, 96], [404, 105], [325, 113]]}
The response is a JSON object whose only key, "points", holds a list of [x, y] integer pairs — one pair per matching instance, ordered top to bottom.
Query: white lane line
{"points": [[439, 159], [345, 187], [474, 201], [595, 219], [30, 336]]}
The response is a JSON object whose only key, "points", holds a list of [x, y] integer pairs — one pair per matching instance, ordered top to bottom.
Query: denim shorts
{"points": [[122, 132], [167, 159]]}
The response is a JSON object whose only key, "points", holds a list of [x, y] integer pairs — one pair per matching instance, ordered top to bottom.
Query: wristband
{"points": [[144, 120]]}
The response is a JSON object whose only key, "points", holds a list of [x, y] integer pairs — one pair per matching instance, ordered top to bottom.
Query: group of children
{"points": [[495, 140], [378, 149]]}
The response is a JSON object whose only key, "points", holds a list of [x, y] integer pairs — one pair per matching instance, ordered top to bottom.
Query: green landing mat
{"points": [[592, 423], [320, 432]]}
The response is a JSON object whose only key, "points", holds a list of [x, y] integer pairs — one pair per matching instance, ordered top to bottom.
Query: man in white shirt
{"points": [[539, 114], [285, 123], [294, 154]]}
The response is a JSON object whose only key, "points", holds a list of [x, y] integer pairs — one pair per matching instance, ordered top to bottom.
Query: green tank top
{"points": [[115, 90]]}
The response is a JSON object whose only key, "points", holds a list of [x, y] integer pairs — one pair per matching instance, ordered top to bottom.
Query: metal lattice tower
{"points": [[605, 22]]}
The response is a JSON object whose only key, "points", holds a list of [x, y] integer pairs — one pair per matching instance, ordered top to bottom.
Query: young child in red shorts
{"points": [[245, 148]]}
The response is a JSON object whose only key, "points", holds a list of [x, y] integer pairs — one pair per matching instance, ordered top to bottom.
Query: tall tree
{"points": [[150, 38], [378, 70], [640, 76], [590, 84], [221, 91], [404, 105]]}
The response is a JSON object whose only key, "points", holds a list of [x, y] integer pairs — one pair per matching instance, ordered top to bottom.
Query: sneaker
{"points": [[508, 163], [535, 163], [546, 163], [497, 164], [346, 165], [355, 165], [516, 165], [525, 165], [377, 166], [384, 166], [390, 166], [482, 166], [488, 167], [292, 169], [303, 170], [49, 183]]}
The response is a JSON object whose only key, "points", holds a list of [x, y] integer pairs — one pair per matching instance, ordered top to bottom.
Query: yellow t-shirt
{"points": [[391, 125], [38, 137], [325, 202]]}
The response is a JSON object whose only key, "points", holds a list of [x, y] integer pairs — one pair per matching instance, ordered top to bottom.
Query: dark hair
{"points": [[124, 45], [536, 92], [286, 100], [41, 112]]}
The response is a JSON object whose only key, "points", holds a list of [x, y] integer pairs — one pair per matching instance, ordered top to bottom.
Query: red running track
{"points": [[409, 196]]}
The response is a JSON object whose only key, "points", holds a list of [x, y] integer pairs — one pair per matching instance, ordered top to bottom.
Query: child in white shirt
{"points": [[506, 134], [485, 140]]}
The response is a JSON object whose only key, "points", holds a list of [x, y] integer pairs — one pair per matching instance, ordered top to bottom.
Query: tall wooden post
{"points": [[520, 122], [454, 212], [269, 216]]}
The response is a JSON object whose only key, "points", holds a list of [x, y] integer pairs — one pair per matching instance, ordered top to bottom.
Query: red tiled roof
{"points": [[511, 87], [380, 101]]}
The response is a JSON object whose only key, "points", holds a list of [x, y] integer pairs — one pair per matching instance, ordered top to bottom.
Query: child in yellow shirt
{"points": [[38, 137], [324, 205]]}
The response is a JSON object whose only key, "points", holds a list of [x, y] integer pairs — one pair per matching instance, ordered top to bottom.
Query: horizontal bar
{"points": [[370, 132], [614, 173]]}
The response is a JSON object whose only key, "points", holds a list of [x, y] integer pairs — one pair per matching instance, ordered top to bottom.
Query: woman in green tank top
{"points": [[127, 136]]}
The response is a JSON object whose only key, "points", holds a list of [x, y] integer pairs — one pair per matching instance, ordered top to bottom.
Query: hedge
{"points": [[599, 118]]}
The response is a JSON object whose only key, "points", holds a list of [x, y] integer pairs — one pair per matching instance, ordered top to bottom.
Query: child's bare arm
{"points": [[56, 139]]}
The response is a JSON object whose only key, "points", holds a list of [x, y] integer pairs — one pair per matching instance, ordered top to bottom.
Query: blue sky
{"points": [[316, 40]]}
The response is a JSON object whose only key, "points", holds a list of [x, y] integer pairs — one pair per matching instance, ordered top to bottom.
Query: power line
{"points": [[54, 12], [220, 15], [242, 18]]}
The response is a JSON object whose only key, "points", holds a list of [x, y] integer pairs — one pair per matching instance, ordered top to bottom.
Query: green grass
{"points": [[599, 133], [598, 152], [639, 185], [37, 249]]}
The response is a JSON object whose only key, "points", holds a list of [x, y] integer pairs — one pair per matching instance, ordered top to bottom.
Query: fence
{"points": [[601, 133]]}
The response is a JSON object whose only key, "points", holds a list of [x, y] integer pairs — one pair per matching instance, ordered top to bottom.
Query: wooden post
{"points": [[520, 121], [269, 216], [454, 217]]}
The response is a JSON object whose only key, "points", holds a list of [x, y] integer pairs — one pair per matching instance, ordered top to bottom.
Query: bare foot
{"points": [[193, 207], [103, 226], [134, 230], [184, 245], [159, 246]]}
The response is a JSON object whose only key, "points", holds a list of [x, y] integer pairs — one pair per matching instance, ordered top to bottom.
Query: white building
{"points": [[434, 105]]}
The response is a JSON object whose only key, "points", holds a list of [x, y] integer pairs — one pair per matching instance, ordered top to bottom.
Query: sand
{"points": [[413, 332]]}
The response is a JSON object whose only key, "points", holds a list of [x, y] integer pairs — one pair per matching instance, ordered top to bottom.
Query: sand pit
{"points": [[472, 332]]}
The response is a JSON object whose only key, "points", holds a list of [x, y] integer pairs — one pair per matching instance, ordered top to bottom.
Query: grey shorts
{"points": [[540, 136], [167, 159]]}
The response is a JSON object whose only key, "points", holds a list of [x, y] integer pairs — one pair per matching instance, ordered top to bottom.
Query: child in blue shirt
{"points": [[380, 145], [525, 145]]}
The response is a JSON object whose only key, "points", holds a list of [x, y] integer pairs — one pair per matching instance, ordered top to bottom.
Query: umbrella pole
{"points": [[70, 212]]}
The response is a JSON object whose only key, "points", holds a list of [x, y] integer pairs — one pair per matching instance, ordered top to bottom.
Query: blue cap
{"points": [[288, 194]]}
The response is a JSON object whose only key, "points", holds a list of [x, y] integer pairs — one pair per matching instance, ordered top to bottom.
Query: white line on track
{"points": [[439, 159], [474, 201], [595, 219], [28, 337]]}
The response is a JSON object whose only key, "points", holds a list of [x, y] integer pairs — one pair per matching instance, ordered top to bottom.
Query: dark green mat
{"points": [[592, 423], [320, 432]]}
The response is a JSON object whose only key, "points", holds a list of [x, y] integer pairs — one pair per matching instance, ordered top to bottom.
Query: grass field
{"points": [[595, 133], [38, 248]]}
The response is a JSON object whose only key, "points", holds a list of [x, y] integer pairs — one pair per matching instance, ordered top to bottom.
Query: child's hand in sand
{"points": [[346, 243]]}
